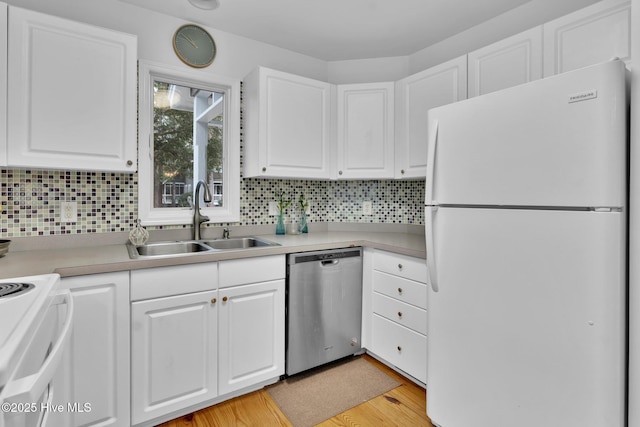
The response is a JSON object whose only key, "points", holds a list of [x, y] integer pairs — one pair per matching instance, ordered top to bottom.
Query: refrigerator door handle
{"points": [[431, 158], [431, 260]]}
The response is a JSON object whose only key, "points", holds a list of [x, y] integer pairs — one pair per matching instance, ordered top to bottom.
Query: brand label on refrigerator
{"points": [[583, 96]]}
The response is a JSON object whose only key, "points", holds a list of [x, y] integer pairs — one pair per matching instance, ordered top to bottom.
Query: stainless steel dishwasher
{"points": [[324, 307]]}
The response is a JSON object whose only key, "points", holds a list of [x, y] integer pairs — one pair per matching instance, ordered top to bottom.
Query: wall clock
{"points": [[194, 46]]}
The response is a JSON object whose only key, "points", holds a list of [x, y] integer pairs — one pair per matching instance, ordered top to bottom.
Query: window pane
{"points": [[188, 144]]}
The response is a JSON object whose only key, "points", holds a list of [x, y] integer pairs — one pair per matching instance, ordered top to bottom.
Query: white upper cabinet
{"points": [[594, 34], [509, 62], [3, 87], [71, 94], [415, 95], [287, 126], [365, 131]]}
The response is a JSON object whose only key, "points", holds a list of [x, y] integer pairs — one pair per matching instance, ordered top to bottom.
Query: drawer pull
{"points": [[399, 266], [399, 290], [224, 299], [214, 300], [399, 314], [399, 348]]}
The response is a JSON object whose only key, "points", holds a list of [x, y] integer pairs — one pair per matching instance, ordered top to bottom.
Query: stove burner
{"points": [[13, 289]]}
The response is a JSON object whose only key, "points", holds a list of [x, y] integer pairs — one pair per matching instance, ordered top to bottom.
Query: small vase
{"points": [[280, 224], [302, 225]]}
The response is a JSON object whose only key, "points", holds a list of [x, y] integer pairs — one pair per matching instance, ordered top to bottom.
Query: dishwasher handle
{"points": [[329, 262]]}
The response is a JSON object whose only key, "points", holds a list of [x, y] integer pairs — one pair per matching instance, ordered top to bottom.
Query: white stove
{"points": [[23, 303], [37, 323]]}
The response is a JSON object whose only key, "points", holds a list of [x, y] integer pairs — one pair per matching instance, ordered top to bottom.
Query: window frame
{"points": [[230, 211]]}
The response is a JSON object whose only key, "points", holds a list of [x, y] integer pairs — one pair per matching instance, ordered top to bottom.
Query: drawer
{"points": [[401, 265], [252, 270], [175, 280], [409, 291], [405, 314], [400, 346]]}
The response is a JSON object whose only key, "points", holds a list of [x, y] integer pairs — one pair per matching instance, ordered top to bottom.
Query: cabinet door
{"points": [[594, 34], [509, 62], [3, 86], [71, 95], [415, 95], [287, 125], [365, 131], [251, 334], [99, 353], [173, 353]]}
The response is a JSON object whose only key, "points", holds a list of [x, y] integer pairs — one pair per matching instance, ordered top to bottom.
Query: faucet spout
{"points": [[198, 218]]}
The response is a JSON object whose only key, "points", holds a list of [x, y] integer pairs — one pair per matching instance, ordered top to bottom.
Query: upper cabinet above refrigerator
{"points": [[594, 34], [509, 62], [71, 94]]}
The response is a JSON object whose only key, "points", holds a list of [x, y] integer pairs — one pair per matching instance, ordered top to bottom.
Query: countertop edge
{"points": [[114, 258]]}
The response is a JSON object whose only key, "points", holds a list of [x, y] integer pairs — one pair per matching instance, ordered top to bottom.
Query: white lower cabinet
{"points": [[396, 311], [252, 315], [203, 333], [251, 341], [174, 353], [99, 354], [174, 360]]}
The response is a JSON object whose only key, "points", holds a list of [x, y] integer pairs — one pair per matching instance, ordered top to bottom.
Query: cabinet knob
{"points": [[129, 163], [264, 169], [402, 171], [339, 172], [399, 266], [399, 290], [224, 299], [214, 300], [399, 314], [399, 348]]}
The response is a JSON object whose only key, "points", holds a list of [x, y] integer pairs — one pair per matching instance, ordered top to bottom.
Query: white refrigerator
{"points": [[526, 218]]}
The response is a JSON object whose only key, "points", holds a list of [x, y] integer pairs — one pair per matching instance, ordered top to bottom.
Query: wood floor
{"points": [[402, 406]]}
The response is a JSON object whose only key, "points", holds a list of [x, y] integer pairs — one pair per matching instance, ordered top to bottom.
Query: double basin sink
{"points": [[192, 247]]}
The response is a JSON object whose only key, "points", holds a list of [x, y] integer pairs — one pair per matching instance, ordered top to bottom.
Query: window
{"points": [[189, 132]]}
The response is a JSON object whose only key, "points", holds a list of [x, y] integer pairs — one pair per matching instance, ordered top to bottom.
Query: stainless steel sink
{"points": [[239, 243], [193, 247], [167, 249]]}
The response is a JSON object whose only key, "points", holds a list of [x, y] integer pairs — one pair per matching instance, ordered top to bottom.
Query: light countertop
{"points": [[77, 261]]}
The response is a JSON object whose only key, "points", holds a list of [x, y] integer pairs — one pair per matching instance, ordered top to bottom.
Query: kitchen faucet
{"points": [[198, 218]]}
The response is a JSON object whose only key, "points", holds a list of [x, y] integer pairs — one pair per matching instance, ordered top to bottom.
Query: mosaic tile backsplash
{"points": [[107, 202]]}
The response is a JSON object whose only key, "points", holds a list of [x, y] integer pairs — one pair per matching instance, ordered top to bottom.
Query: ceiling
{"points": [[335, 30]]}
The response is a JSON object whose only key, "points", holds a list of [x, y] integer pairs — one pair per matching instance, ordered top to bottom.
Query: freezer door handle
{"points": [[431, 158], [430, 239]]}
